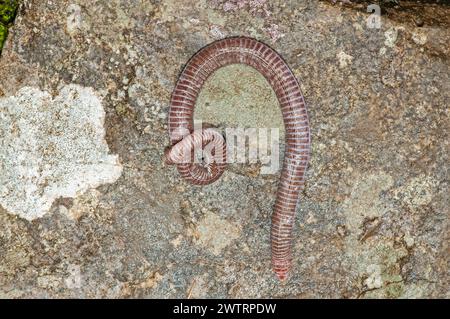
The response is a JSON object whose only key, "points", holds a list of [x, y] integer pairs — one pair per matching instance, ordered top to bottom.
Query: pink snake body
{"points": [[243, 50]]}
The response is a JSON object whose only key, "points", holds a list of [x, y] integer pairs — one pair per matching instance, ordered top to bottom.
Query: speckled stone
{"points": [[52, 148], [372, 221]]}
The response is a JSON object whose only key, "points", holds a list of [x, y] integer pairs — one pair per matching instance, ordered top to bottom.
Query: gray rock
{"points": [[52, 148], [372, 221]]}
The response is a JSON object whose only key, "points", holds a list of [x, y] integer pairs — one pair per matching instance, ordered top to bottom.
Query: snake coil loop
{"points": [[212, 146]]}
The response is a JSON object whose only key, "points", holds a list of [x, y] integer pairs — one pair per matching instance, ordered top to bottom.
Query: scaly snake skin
{"points": [[184, 139]]}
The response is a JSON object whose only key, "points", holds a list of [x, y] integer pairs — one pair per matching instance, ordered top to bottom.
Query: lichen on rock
{"points": [[8, 11], [51, 148], [372, 220]]}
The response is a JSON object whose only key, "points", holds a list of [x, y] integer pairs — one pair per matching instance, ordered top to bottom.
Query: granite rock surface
{"points": [[373, 219]]}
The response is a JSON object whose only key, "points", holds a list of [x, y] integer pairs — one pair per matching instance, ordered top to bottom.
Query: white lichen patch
{"points": [[75, 20], [390, 36], [419, 37], [344, 59], [52, 148], [417, 192], [74, 279], [374, 279]]}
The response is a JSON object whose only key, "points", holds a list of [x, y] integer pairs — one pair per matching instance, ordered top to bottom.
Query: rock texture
{"points": [[8, 10], [51, 148], [373, 219]]}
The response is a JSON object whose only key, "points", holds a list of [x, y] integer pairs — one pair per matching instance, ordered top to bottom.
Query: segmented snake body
{"points": [[183, 138]]}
